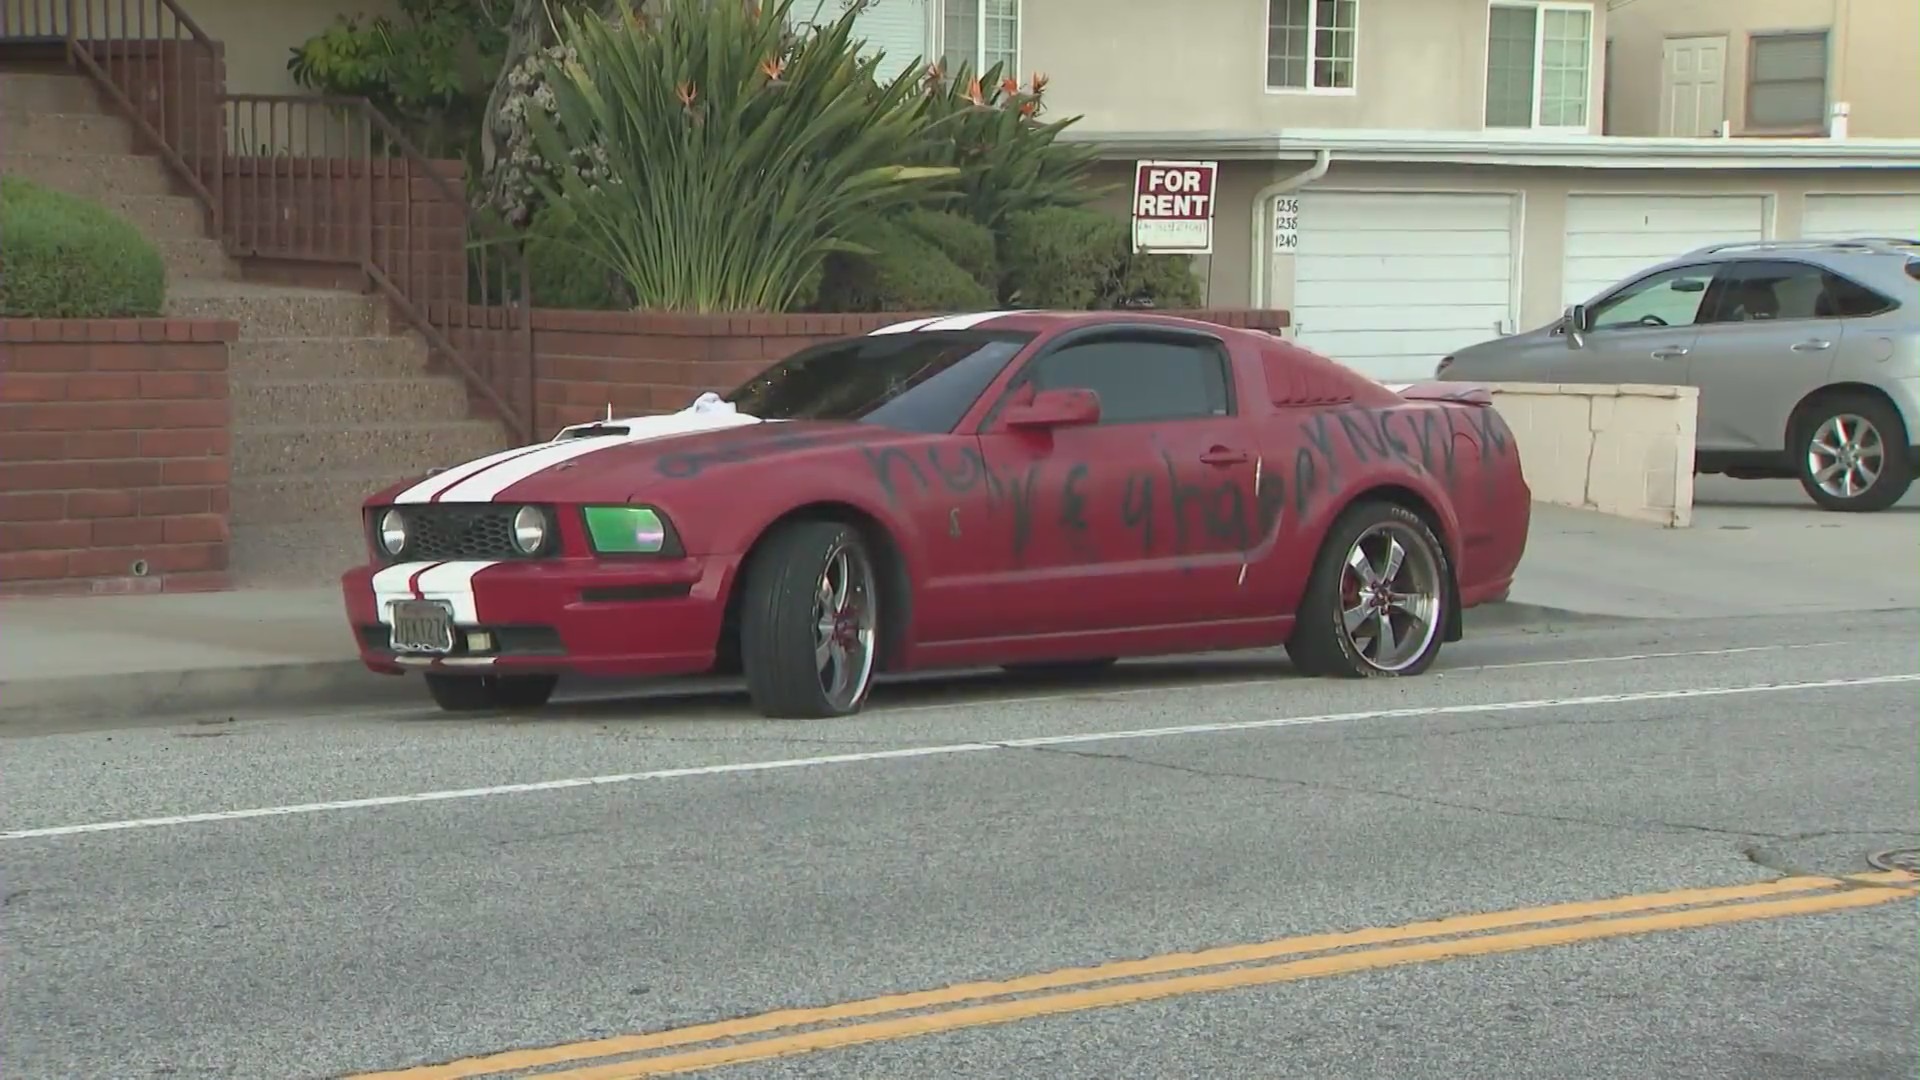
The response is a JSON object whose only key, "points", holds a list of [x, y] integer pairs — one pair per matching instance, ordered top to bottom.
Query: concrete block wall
{"points": [[1625, 450]]}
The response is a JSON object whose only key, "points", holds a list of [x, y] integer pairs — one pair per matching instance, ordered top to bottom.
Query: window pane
{"points": [[1002, 35], [1287, 42], [960, 45], [1801, 56], [1510, 59], [1564, 73], [1793, 104], [1762, 290], [1669, 298], [1845, 298], [1141, 380]]}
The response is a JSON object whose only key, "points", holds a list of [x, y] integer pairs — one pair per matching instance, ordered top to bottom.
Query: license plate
{"points": [[422, 626]]}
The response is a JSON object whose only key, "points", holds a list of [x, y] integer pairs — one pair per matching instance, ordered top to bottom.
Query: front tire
{"points": [[1852, 453], [1376, 603], [810, 623], [477, 693]]}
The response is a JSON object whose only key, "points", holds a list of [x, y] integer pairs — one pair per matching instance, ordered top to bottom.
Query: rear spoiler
{"points": [[1458, 393]]}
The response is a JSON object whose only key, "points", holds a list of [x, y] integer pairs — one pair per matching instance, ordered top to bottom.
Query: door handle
{"points": [[1813, 346], [1671, 352], [1221, 455]]}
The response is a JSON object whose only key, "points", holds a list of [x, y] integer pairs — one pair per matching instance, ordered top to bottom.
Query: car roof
{"points": [[1840, 248], [1048, 321]]}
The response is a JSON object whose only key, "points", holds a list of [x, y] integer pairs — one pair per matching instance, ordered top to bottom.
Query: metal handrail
{"points": [[163, 73]]}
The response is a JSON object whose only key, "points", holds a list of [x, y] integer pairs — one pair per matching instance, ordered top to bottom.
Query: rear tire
{"points": [[1856, 441], [1386, 618], [810, 622], [1061, 668], [477, 693]]}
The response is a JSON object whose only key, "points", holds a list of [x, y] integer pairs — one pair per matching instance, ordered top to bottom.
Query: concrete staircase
{"points": [[330, 402]]}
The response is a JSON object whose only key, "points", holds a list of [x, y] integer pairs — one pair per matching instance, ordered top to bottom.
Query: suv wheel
{"points": [[1852, 454]]}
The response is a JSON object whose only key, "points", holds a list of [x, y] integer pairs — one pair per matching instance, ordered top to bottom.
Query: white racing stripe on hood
{"points": [[964, 322], [903, 327], [1399, 388], [487, 484], [425, 490], [448, 581]]}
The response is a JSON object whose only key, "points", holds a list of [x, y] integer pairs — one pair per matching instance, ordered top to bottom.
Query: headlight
{"points": [[529, 530], [628, 530], [393, 532]]}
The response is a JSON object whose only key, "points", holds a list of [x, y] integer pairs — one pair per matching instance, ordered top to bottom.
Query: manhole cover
{"points": [[1905, 858]]}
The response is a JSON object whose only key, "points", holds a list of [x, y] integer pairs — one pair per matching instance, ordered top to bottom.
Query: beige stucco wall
{"points": [[259, 35], [1874, 64], [1142, 65], [1544, 194]]}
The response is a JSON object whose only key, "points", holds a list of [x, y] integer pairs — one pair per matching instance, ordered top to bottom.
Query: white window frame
{"points": [[1540, 8], [1313, 42], [979, 57]]}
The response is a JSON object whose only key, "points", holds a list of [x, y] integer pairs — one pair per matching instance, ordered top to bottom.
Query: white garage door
{"points": [[1839, 217], [1612, 237], [1387, 283]]}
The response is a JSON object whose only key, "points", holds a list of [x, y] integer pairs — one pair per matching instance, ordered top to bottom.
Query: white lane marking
{"points": [[965, 322], [904, 327], [425, 490], [453, 582], [1091, 693], [1412, 712]]}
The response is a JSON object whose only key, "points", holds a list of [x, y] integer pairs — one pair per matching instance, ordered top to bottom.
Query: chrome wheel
{"points": [[1845, 456], [1390, 597], [844, 619]]}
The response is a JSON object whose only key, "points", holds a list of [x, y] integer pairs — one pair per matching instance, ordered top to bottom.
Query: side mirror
{"points": [[1576, 323], [1055, 409]]}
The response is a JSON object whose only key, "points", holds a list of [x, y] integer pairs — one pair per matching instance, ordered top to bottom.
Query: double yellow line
{"points": [[803, 1031]]}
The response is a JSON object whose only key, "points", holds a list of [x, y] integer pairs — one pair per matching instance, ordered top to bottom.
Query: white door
{"points": [[1693, 99], [1840, 217], [1612, 237], [1387, 283]]}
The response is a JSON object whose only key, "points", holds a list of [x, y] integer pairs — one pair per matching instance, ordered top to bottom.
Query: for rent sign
{"points": [[1173, 206]]}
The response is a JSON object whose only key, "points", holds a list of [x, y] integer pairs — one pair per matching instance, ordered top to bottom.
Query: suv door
{"points": [[1642, 332], [1769, 341], [1139, 520]]}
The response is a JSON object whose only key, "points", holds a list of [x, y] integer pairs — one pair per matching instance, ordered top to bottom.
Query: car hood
{"points": [[649, 451]]}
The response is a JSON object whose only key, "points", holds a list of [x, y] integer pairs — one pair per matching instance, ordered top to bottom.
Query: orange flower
{"points": [[772, 67], [1039, 83], [1009, 86], [973, 92], [687, 94], [1029, 107]]}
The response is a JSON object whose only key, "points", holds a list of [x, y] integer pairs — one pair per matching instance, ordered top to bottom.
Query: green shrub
{"points": [[713, 158], [969, 245], [67, 258], [1083, 260], [904, 272], [561, 276]]}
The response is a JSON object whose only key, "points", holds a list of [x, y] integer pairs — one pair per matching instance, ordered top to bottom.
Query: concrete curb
{"points": [[68, 703]]}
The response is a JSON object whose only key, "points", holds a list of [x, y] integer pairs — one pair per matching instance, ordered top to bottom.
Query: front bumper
{"points": [[601, 617]]}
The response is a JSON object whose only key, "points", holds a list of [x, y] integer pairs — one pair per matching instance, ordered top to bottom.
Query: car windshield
{"points": [[915, 381]]}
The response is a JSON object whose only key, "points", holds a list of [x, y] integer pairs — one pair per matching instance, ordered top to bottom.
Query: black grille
{"points": [[437, 533]]}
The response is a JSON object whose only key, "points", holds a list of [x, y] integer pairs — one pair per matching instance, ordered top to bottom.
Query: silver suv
{"points": [[1806, 354]]}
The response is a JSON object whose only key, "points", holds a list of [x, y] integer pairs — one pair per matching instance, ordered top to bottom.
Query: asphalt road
{"points": [[325, 895]]}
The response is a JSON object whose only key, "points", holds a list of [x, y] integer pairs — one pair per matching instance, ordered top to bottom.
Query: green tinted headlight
{"points": [[626, 530]]}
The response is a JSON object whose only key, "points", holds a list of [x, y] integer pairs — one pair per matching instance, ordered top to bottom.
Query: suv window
{"points": [[1758, 290], [1668, 298], [1142, 379]]}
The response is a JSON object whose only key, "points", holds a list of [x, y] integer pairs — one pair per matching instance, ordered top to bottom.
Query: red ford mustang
{"points": [[1027, 489]]}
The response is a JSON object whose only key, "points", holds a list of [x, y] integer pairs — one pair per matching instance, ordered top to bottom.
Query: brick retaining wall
{"points": [[114, 441]]}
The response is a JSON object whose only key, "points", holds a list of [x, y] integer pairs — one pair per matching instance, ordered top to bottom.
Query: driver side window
{"points": [[1668, 298]]}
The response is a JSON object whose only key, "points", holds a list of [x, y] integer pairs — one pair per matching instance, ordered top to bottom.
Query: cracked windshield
{"points": [[959, 539]]}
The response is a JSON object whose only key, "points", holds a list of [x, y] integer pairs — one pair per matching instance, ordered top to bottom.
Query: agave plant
{"points": [[719, 157]]}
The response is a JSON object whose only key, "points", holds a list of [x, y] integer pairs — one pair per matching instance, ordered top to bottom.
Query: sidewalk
{"points": [[1759, 550]]}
